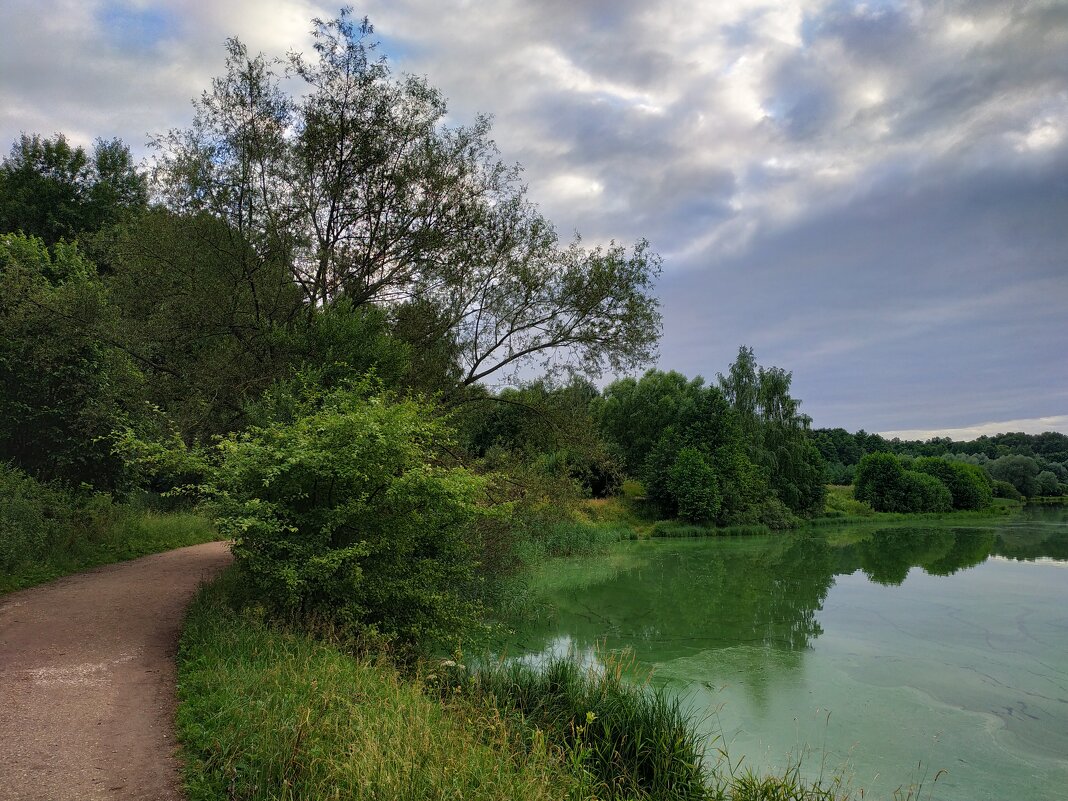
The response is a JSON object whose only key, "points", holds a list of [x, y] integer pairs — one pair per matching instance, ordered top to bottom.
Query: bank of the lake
{"points": [[889, 652]]}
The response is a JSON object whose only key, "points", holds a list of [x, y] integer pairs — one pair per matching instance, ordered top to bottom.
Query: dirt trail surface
{"points": [[87, 679]]}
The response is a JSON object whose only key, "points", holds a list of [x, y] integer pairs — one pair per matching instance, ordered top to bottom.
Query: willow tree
{"points": [[366, 193]]}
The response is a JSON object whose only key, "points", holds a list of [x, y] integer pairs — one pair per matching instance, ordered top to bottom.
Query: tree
{"points": [[54, 191], [365, 194], [66, 381], [777, 433], [1020, 471], [879, 482], [1046, 483], [694, 485], [968, 485]]}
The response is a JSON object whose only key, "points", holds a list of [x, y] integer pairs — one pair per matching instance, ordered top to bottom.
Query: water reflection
{"points": [[672, 597], [926, 648]]}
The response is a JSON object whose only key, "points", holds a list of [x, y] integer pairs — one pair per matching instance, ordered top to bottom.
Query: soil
{"points": [[87, 679]]}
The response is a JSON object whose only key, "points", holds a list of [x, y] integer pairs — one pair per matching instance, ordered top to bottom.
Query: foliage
{"points": [[357, 184], [53, 191], [212, 324], [67, 383], [542, 424], [776, 432], [1020, 471], [878, 482], [693, 483], [1046, 483], [968, 485], [1003, 489], [924, 493], [841, 502], [346, 513], [47, 532], [267, 714], [634, 740]]}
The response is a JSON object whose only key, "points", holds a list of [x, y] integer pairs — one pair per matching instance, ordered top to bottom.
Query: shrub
{"points": [[879, 481], [693, 483], [1046, 483], [968, 484], [1003, 489], [924, 493], [343, 513], [34, 518]]}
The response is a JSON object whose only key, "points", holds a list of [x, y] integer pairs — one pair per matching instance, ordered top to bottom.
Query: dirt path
{"points": [[87, 679]]}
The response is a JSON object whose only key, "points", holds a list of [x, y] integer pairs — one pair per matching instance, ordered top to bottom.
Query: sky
{"points": [[872, 195]]}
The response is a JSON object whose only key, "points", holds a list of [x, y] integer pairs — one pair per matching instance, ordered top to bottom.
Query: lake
{"points": [[928, 656]]}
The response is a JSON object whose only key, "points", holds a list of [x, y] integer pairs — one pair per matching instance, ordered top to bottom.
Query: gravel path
{"points": [[87, 679]]}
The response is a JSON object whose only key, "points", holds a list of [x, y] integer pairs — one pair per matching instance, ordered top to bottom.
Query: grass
{"points": [[103, 535], [270, 714], [629, 740]]}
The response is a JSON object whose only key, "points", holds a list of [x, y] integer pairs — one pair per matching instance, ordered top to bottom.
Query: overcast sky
{"points": [[871, 195]]}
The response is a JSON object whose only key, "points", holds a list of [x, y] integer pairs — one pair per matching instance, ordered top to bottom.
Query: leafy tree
{"points": [[54, 191], [364, 193], [213, 324], [67, 383], [633, 414], [777, 434], [1020, 471], [879, 482], [693, 483], [1046, 483], [968, 485], [924, 493], [347, 513]]}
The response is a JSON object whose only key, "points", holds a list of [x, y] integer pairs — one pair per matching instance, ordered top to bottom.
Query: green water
{"points": [[887, 655]]}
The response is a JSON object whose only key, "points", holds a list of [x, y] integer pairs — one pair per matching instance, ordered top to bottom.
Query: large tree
{"points": [[361, 188], [54, 190]]}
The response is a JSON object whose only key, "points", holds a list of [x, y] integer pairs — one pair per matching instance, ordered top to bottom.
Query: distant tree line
{"points": [[1020, 465]]}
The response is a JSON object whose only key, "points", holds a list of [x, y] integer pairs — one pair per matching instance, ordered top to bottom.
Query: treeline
{"points": [[1020, 465]]}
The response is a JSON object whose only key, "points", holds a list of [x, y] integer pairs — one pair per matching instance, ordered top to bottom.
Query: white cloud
{"points": [[1033, 425]]}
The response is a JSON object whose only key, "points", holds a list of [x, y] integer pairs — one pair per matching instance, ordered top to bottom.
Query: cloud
{"points": [[873, 194], [1037, 425]]}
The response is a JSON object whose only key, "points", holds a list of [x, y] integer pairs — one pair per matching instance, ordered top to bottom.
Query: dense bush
{"points": [[879, 482], [693, 483], [1046, 483], [968, 485], [889, 487], [1003, 489], [924, 493], [343, 512], [34, 518]]}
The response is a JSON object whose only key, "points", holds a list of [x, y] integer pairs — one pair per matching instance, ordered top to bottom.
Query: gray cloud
{"points": [[872, 194]]}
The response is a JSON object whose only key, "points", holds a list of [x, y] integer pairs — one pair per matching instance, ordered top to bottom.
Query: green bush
{"points": [[879, 482], [693, 483], [967, 483], [1003, 489], [924, 493], [342, 512], [34, 518]]}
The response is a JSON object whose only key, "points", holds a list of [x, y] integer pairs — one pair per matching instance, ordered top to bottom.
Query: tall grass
{"points": [[47, 532], [268, 714], [631, 741]]}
